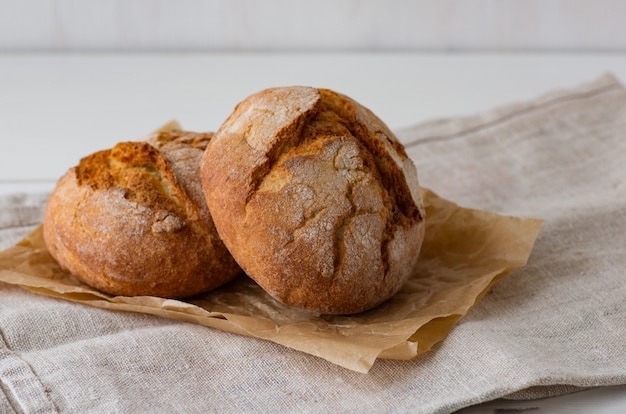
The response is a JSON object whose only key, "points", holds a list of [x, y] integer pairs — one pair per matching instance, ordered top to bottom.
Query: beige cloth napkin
{"points": [[554, 326]]}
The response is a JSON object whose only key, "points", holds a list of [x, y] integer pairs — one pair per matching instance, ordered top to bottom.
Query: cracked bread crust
{"points": [[315, 198], [132, 220]]}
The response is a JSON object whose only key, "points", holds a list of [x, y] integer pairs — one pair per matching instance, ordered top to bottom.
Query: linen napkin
{"points": [[556, 325]]}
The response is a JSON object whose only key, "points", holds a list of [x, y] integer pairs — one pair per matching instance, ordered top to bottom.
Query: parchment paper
{"points": [[464, 253]]}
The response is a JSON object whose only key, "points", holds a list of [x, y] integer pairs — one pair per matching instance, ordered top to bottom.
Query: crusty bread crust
{"points": [[315, 198], [133, 221]]}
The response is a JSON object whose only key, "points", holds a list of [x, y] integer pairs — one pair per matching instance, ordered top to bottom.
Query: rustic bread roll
{"points": [[315, 198], [132, 220]]}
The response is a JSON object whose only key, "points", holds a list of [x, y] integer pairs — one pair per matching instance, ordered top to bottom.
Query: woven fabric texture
{"points": [[554, 326]]}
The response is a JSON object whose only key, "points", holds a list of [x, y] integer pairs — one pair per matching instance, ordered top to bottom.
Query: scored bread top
{"points": [[139, 170], [316, 199]]}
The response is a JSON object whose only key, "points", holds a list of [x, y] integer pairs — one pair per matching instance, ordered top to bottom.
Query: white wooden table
{"points": [[57, 108]]}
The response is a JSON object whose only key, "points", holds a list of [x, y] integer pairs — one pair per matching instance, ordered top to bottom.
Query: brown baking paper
{"points": [[464, 253]]}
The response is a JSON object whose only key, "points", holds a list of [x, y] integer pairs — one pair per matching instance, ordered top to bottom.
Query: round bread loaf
{"points": [[315, 198], [132, 220]]}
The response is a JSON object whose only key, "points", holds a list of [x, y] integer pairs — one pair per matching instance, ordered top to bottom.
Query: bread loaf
{"points": [[315, 198], [132, 220]]}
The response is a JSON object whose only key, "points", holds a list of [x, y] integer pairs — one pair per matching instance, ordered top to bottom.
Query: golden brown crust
{"points": [[315, 198], [132, 220]]}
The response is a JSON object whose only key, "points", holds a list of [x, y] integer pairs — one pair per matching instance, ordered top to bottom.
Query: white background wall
{"points": [[435, 25]]}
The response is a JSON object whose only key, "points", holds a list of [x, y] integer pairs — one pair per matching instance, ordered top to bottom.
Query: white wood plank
{"points": [[247, 25], [57, 108]]}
